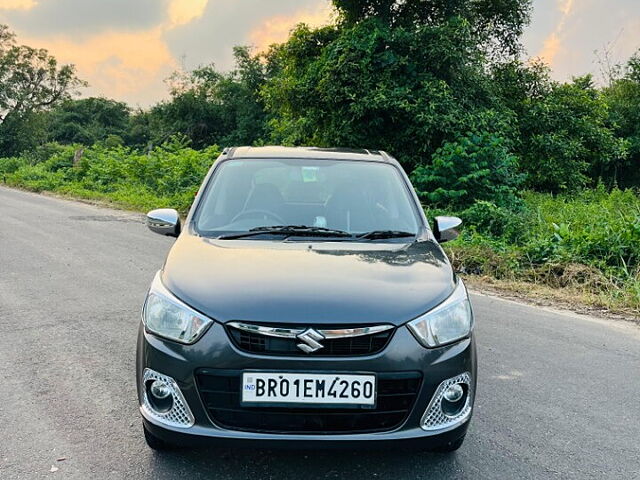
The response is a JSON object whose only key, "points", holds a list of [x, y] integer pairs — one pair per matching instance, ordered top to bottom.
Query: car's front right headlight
{"points": [[166, 316], [449, 322]]}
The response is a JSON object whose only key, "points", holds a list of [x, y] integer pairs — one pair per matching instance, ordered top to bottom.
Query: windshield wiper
{"points": [[301, 229], [289, 231], [382, 234]]}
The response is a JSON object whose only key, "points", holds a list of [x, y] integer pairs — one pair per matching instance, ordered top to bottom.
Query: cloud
{"points": [[17, 4], [566, 6], [182, 12], [85, 17], [226, 23], [276, 29], [572, 34], [629, 40], [553, 43], [126, 48], [550, 48], [120, 50], [124, 65]]}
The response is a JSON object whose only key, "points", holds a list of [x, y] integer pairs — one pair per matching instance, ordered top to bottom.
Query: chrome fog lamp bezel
{"points": [[159, 293], [430, 329], [179, 415], [435, 419]]}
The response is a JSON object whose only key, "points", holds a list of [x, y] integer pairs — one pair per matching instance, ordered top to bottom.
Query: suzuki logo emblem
{"points": [[311, 339]]}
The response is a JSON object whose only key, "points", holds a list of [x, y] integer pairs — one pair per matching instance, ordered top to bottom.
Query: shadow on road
{"points": [[264, 464]]}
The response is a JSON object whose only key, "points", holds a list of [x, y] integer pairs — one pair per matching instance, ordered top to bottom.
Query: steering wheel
{"points": [[257, 211]]}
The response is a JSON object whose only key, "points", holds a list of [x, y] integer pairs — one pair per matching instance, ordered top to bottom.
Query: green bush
{"points": [[11, 165], [474, 167], [489, 219], [596, 226]]}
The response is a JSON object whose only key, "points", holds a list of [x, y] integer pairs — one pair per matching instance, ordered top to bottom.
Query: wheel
{"points": [[155, 443], [450, 447]]}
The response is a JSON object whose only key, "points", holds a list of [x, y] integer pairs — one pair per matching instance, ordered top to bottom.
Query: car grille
{"points": [[253, 342], [220, 393]]}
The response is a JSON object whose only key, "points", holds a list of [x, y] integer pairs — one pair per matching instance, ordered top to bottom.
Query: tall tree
{"points": [[497, 24], [30, 81], [407, 84], [210, 107], [563, 138]]}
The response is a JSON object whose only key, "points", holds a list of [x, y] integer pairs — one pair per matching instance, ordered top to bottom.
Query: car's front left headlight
{"points": [[166, 316], [449, 322]]}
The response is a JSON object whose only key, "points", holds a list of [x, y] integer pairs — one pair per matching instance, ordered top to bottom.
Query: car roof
{"points": [[308, 152]]}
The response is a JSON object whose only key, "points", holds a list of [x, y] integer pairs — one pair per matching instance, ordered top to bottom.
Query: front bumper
{"points": [[215, 351]]}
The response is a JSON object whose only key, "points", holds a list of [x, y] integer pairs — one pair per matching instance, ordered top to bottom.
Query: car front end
{"points": [[263, 331], [192, 394]]}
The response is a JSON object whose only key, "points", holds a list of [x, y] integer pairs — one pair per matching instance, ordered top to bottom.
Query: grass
{"points": [[586, 245]]}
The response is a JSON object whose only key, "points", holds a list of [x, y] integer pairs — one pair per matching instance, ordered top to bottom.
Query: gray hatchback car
{"points": [[306, 303]]}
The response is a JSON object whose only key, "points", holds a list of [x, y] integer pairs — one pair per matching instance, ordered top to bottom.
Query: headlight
{"points": [[166, 316], [450, 321]]}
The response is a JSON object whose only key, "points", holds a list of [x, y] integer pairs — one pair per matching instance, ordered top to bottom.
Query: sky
{"points": [[125, 49]]}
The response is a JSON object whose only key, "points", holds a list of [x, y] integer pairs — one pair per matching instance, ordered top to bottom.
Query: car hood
{"points": [[308, 282]]}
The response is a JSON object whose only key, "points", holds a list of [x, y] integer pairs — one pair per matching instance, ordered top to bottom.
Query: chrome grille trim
{"points": [[293, 333]]}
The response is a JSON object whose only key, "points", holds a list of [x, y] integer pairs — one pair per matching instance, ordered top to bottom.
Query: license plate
{"points": [[299, 389]]}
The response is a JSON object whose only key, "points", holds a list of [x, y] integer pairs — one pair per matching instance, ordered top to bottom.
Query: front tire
{"points": [[155, 443], [450, 447]]}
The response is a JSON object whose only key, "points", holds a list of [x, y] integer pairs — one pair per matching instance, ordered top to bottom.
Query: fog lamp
{"points": [[160, 390], [454, 393]]}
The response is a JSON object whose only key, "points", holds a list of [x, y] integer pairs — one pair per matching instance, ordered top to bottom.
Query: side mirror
{"points": [[164, 221], [445, 228]]}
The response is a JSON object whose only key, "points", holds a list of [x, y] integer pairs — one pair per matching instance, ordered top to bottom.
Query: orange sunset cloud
{"points": [[17, 4], [182, 12], [276, 29], [553, 43], [115, 62], [120, 64]]}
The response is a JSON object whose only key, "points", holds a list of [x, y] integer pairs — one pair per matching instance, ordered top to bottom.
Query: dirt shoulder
{"points": [[571, 299]]}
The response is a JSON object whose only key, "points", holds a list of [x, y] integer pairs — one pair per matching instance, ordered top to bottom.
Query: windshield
{"points": [[349, 196]]}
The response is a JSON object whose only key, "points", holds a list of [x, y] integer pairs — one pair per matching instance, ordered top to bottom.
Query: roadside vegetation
{"points": [[544, 173], [167, 175], [580, 248]]}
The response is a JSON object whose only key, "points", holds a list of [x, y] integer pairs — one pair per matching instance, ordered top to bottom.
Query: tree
{"points": [[497, 24], [30, 81], [406, 89], [623, 98], [210, 107], [193, 110], [245, 114], [88, 120], [564, 139], [566, 143]]}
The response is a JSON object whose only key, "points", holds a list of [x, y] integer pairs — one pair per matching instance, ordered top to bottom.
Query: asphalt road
{"points": [[559, 394]]}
